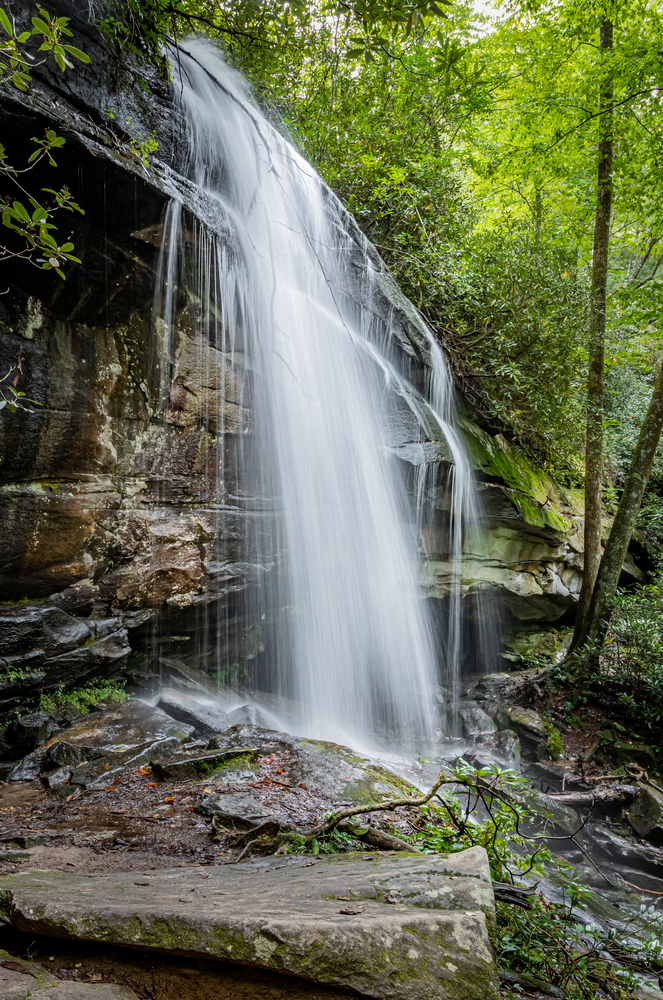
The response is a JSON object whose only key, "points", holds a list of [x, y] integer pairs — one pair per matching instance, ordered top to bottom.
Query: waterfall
{"points": [[284, 297]]}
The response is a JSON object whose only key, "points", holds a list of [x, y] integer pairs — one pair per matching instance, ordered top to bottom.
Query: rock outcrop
{"points": [[526, 552]]}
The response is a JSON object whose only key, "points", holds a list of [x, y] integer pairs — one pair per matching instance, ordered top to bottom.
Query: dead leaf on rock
{"points": [[352, 911], [17, 967]]}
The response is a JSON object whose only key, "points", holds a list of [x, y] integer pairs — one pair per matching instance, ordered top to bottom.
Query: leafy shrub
{"points": [[631, 663], [84, 698]]}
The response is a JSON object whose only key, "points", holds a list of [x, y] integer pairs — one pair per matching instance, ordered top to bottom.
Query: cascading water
{"points": [[284, 299]]}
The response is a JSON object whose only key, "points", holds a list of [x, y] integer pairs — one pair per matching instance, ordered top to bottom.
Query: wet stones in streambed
{"points": [[246, 715], [106, 743], [325, 770], [259, 776], [618, 843], [389, 927]]}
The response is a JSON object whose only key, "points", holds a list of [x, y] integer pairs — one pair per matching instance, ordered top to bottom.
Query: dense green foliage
{"points": [[631, 664], [83, 699]]}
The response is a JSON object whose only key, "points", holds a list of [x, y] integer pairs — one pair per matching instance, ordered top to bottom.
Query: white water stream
{"points": [[289, 304]]}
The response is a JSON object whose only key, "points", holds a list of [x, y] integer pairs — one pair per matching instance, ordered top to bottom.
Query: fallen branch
{"points": [[615, 793], [341, 814], [514, 894]]}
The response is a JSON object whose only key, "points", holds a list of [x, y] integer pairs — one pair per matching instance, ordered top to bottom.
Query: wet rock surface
{"points": [[206, 719], [105, 743], [328, 920]]}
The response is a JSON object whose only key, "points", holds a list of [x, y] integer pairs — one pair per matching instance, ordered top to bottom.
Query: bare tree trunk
{"points": [[597, 310], [627, 513]]}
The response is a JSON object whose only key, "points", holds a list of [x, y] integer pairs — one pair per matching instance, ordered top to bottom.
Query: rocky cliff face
{"points": [[112, 501], [526, 553]]}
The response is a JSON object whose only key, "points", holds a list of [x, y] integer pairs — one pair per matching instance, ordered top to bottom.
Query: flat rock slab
{"points": [[387, 926]]}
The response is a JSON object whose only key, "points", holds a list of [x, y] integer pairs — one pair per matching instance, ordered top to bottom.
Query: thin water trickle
{"points": [[285, 300]]}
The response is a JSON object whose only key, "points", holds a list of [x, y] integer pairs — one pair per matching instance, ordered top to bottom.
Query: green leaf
{"points": [[6, 23], [41, 26], [83, 56], [60, 61], [18, 81], [21, 211], [67, 246]]}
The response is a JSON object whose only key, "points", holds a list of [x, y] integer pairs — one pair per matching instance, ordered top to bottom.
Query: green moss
{"points": [[533, 490], [553, 741], [241, 763]]}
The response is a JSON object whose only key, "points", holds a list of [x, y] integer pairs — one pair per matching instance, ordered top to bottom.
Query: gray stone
{"points": [[26, 626], [246, 715], [207, 719], [475, 721], [527, 723], [123, 727], [32, 730], [509, 744], [65, 754], [330, 772], [97, 774], [57, 778], [236, 807], [646, 814], [13, 854], [331, 920], [24, 982], [88, 991]]}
